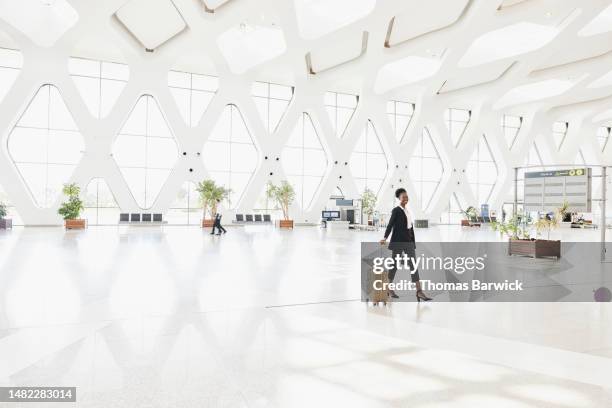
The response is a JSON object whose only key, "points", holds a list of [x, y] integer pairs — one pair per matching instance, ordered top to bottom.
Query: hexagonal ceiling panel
{"points": [[318, 17], [163, 21], [44, 22], [248, 45], [46, 145], [145, 151], [304, 161]]}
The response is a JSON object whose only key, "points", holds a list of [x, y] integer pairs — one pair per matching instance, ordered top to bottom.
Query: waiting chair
{"points": [[124, 217], [134, 217], [146, 217], [239, 218], [249, 218], [258, 218], [267, 218]]}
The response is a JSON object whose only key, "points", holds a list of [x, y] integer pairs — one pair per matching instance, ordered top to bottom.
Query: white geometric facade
{"points": [[102, 72]]}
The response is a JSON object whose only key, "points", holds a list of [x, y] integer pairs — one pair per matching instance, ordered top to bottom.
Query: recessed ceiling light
{"points": [[405, 71]]}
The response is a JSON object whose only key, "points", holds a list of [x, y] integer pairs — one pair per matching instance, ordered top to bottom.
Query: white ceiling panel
{"points": [[151, 22]]}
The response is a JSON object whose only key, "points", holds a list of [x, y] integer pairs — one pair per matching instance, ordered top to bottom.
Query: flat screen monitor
{"points": [[334, 214]]}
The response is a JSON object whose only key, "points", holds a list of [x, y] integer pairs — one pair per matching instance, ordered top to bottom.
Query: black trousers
{"points": [[218, 226], [410, 253]]}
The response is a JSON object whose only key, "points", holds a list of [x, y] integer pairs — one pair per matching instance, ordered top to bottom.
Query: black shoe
{"points": [[212, 233], [218, 233], [393, 294], [422, 296]]}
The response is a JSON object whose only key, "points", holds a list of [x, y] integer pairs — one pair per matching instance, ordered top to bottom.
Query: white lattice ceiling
{"points": [[542, 60]]}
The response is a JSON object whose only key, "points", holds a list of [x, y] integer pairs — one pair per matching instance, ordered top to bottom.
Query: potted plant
{"points": [[210, 195], [284, 196], [368, 203], [71, 210], [471, 217], [5, 223], [520, 240]]}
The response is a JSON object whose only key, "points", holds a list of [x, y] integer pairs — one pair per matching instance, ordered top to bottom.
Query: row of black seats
{"points": [[136, 217], [253, 218]]}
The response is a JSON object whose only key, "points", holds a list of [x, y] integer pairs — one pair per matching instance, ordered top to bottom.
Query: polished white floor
{"points": [[174, 317]]}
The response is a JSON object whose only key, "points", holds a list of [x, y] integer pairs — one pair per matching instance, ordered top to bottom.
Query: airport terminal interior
{"points": [[131, 129]]}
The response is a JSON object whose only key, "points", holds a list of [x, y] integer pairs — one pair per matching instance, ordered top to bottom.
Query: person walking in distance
{"points": [[217, 225], [403, 241]]}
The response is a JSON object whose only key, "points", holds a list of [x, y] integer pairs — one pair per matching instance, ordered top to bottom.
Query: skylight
{"points": [[428, 16], [318, 17], [43, 22], [162, 22], [600, 24], [506, 42], [246, 46], [405, 71], [605, 80], [533, 92]]}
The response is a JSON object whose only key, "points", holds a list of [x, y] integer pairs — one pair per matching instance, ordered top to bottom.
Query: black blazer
{"points": [[402, 238]]}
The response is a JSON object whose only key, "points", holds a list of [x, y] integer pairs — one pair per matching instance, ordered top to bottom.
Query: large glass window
{"points": [[10, 65], [99, 82], [192, 93], [272, 101], [340, 108], [400, 115], [456, 122], [511, 126], [559, 130], [603, 135], [46, 145], [145, 151], [230, 154], [304, 161], [368, 162], [425, 169], [482, 172], [100, 205], [10, 208], [186, 208], [452, 214]]}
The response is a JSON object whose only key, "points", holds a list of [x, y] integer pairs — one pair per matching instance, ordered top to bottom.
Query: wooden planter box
{"points": [[6, 223], [208, 223], [285, 223], [465, 223], [75, 224], [537, 248]]}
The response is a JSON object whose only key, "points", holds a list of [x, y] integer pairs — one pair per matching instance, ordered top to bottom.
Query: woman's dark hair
{"points": [[399, 192]]}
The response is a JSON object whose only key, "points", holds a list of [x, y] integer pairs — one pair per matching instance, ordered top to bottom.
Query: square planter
{"points": [[6, 223], [208, 223], [285, 223], [465, 223], [75, 224], [536, 249]]}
